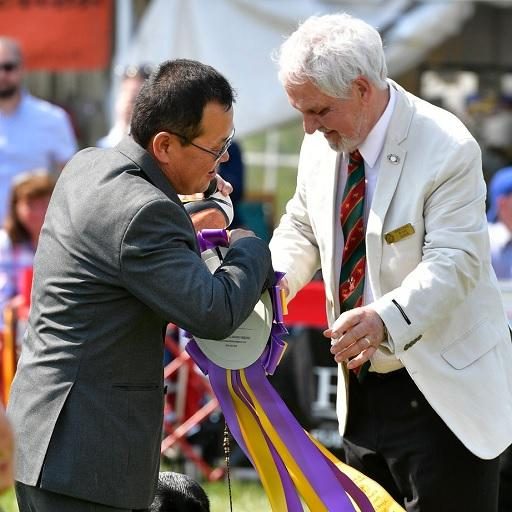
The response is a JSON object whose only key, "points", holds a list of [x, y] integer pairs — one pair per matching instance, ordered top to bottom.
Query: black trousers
{"points": [[396, 438], [506, 481], [35, 499]]}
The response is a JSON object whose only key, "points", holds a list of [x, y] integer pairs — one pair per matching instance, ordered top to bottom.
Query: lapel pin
{"points": [[394, 159]]}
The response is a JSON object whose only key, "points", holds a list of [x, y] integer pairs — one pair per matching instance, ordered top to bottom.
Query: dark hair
{"points": [[174, 97], [30, 185], [176, 492]]}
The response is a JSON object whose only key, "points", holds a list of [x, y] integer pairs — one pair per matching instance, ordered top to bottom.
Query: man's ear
{"points": [[362, 88], [162, 145]]}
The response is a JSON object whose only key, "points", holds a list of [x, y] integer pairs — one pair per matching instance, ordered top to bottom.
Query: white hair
{"points": [[331, 51]]}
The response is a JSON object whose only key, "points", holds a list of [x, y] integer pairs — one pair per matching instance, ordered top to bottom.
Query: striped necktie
{"points": [[352, 223]]}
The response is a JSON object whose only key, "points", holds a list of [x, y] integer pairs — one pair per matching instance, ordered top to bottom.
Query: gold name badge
{"points": [[397, 234]]}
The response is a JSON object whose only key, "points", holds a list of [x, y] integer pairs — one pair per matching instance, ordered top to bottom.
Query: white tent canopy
{"points": [[238, 37]]}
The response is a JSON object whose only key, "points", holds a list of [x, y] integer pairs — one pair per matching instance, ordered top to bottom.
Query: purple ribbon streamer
{"points": [[309, 458], [327, 480], [292, 498]]}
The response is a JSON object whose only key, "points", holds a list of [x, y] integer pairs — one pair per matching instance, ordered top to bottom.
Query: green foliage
{"points": [[290, 139], [8, 501]]}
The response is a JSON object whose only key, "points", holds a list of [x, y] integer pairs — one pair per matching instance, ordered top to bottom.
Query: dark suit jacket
{"points": [[117, 260]]}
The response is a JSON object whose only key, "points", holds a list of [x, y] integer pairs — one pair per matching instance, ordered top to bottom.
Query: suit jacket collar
{"points": [[129, 148], [392, 162]]}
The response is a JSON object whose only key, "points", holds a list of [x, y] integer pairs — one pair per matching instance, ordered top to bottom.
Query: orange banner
{"points": [[60, 35]]}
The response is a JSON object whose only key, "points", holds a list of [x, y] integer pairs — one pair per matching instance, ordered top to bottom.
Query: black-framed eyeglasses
{"points": [[8, 67], [217, 154]]}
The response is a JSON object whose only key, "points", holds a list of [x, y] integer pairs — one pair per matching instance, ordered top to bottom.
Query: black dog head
{"points": [[179, 493]]}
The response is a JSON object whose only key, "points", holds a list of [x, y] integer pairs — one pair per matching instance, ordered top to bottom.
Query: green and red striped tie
{"points": [[352, 223], [354, 251]]}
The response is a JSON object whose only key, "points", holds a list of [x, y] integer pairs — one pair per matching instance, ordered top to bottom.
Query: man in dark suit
{"points": [[117, 260]]}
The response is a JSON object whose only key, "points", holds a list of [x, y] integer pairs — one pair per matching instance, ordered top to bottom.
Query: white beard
{"points": [[349, 144], [345, 145]]}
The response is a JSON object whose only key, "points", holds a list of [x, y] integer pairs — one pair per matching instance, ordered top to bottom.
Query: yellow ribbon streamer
{"points": [[259, 451], [378, 496], [313, 501]]}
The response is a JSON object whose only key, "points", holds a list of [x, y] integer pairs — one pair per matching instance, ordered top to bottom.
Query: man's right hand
{"points": [[239, 233]]}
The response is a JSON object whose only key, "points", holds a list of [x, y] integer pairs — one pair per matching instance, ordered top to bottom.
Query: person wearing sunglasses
{"points": [[131, 80], [34, 134], [117, 261]]}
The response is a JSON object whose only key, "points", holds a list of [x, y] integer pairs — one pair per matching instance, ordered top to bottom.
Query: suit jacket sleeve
{"points": [[294, 246], [455, 248], [160, 266]]}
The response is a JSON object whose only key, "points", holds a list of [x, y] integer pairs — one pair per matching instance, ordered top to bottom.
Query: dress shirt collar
{"points": [[372, 146]]}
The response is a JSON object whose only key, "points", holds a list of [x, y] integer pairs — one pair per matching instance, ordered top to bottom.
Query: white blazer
{"points": [[435, 289]]}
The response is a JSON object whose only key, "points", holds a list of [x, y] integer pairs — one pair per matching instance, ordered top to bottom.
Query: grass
{"points": [[247, 496]]}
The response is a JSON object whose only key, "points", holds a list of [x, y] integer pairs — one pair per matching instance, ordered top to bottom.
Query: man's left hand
{"points": [[355, 336]]}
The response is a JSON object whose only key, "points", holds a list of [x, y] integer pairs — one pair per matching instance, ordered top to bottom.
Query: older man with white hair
{"points": [[390, 205]]}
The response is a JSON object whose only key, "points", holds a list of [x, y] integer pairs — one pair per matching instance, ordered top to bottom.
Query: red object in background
{"points": [[60, 35], [27, 275], [25, 289], [308, 307]]}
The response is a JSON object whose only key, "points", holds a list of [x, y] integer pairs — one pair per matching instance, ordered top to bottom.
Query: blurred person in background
{"points": [[132, 79], [34, 134], [233, 171], [28, 202], [390, 204], [499, 216], [500, 236]]}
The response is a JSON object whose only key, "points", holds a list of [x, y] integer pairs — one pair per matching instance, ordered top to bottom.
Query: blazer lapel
{"points": [[391, 165], [333, 238]]}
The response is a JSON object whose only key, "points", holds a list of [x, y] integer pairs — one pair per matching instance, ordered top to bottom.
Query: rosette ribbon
{"points": [[290, 463]]}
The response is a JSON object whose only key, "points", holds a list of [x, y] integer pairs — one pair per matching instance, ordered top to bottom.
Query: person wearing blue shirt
{"points": [[34, 134], [499, 216]]}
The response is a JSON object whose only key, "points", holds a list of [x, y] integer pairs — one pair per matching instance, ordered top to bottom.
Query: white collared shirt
{"points": [[371, 151]]}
